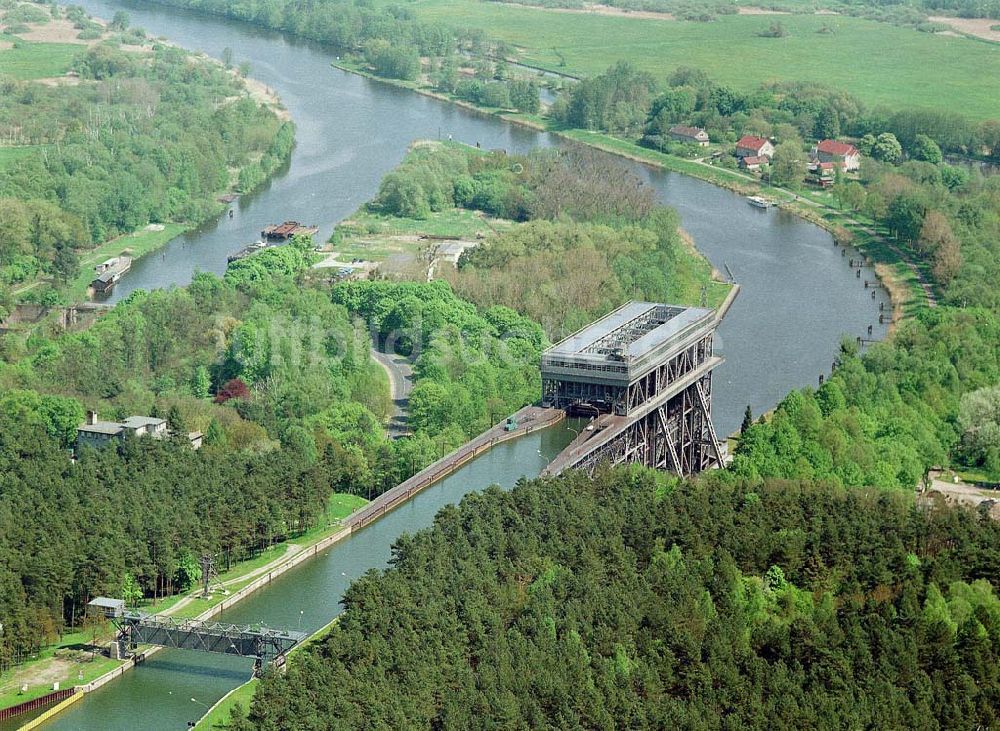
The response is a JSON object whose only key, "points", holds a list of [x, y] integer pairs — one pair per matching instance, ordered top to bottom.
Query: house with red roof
{"points": [[750, 146], [843, 154], [754, 163], [823, 174]]}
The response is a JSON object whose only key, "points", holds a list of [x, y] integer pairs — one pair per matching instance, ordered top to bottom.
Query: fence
{"points": [[35, 704]]}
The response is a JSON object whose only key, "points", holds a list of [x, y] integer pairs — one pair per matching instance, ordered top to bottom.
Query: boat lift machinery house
{"points": [[644, 373]]}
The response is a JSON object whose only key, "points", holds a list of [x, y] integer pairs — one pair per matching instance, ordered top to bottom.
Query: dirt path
{"points": [[599, 9], [978, 27], [962, 493], [290, 550]]}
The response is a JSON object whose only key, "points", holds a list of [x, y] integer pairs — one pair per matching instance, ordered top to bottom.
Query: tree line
{"points": [[626, 101], [144, 138], [590, 233], [632, 599]]}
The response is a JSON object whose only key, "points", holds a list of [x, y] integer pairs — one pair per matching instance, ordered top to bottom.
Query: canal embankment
{"points": [[910, 288], [525, 421]]}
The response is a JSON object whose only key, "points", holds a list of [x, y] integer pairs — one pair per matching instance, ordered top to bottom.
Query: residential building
{"points": [[690, 135], [750, 146], [843, 154], [754, 163], [96, 433]]}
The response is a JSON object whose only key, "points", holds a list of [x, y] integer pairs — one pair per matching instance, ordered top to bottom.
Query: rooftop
{"points": [[683, 129], [751, 142], [836, 147], [631, 331], [136, 422], [101, 427]]}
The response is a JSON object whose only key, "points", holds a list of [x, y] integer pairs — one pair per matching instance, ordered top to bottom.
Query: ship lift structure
{"points": [[265, 645]]}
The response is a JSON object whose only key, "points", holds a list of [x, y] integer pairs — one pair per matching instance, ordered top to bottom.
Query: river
{"points": [[798, 298]]}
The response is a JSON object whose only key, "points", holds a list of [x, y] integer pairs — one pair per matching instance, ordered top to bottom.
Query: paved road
{"points": [[400, 373]]}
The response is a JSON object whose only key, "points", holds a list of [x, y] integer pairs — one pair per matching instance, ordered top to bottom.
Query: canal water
{"points": [[798, 296], [798, 299], [158, 694]]}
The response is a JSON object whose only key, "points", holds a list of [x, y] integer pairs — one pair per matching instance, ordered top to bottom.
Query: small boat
{"points": [[757, 202], [109, 272]]}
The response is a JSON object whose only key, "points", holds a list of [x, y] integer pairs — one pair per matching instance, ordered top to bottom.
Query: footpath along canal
{"points": [[798, 298]]}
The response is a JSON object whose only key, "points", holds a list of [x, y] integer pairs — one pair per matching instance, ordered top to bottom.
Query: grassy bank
{"points": [[732, 50], [27, 60], [136, 245], [71, 661], [219, 715]]}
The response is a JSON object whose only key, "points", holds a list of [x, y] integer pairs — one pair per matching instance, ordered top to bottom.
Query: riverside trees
{"points": [[142, 139], [632, 599]]}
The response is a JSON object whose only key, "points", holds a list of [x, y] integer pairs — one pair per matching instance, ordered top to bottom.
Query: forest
{"points": [[142, 138], [589, 236], [273, 368], [635, 600]]}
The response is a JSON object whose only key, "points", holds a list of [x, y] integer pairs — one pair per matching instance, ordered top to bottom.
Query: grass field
{"points": [[36, 60], [922, 70], [9, 155], [375, 237], [139, 243], [63, 661]]}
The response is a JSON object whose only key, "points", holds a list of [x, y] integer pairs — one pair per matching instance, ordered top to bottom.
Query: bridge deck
{"points": [[529, 419], [607, 427]]}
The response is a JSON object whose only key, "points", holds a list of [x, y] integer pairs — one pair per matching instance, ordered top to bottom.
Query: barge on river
{"points": [[286, 230], [250, 250], [109, 272]]}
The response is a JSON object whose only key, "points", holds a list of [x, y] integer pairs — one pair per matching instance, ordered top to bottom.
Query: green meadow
{"points": [[28, 60], [878, 62], [10, 155]]}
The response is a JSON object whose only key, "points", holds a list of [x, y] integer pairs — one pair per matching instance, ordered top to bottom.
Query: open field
{"points": [[30, 60], [965, 78], [9, 155], [374, 237], [66, 662]]}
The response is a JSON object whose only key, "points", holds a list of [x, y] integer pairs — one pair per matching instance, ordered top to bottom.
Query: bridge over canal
{"points": [[265, 645]]}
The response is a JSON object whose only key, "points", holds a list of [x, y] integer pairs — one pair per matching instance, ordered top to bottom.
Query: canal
{"points": [[798, 295], [798, 298], [158, 694]]}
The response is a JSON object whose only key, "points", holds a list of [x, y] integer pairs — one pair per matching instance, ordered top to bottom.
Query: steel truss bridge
{"points": [[645, 373], [263, 644]]}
